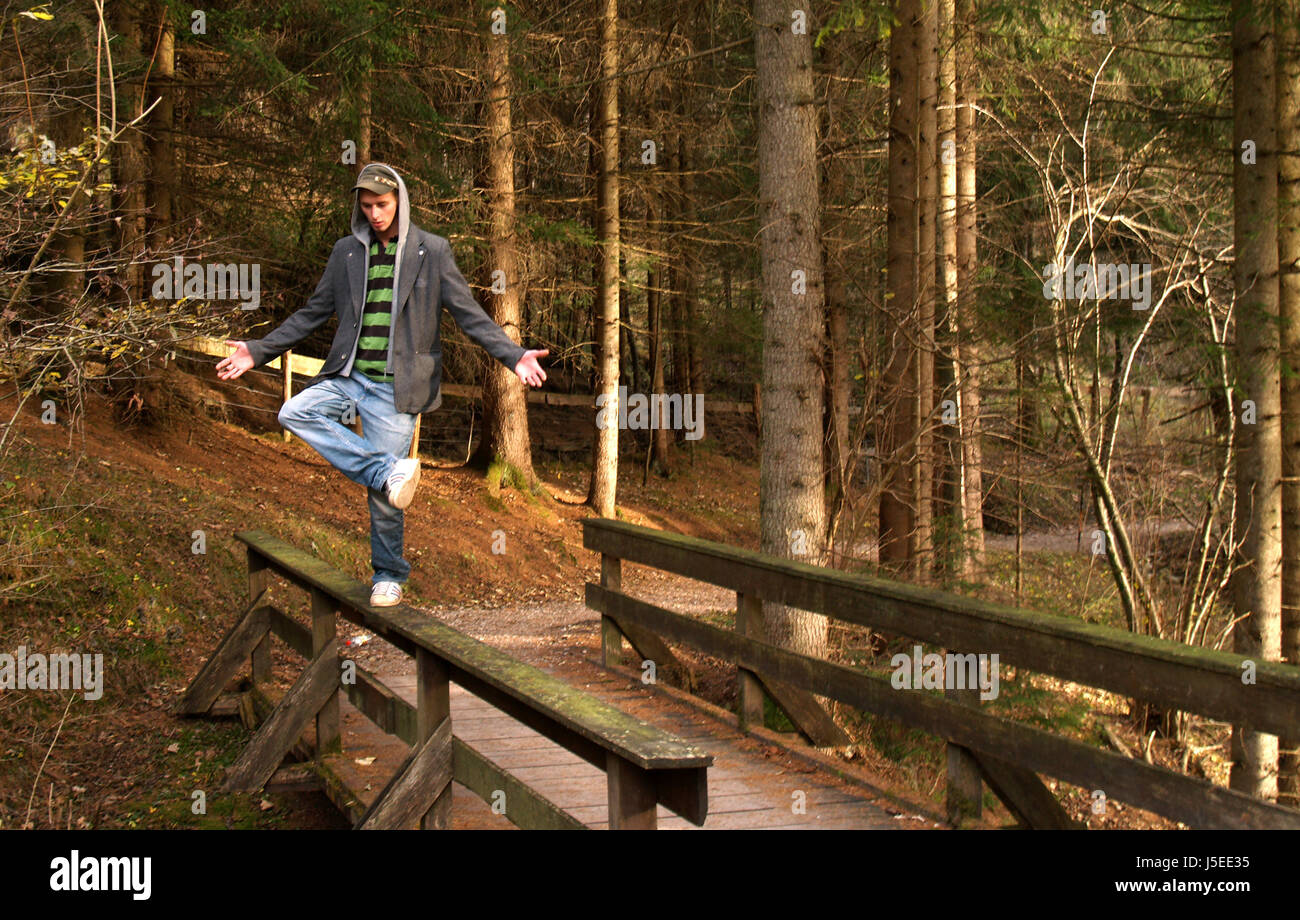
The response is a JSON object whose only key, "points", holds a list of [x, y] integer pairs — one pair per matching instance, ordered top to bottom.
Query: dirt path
{"points": [[1071, 540], [549, 633]]}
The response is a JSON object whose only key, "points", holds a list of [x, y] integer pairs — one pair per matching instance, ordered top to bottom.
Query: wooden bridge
{"points": [[529, 750]]}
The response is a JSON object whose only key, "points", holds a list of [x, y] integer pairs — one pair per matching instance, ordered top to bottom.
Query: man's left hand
{"points": [[528, 370]]}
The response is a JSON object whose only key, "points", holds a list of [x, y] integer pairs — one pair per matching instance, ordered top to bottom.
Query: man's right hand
{"points": [[236, 364]]}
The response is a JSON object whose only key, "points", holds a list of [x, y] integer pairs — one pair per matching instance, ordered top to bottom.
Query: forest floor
{"points": [[109, 518]]}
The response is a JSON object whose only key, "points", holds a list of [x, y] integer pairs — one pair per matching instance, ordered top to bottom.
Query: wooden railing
{"points": [[981, 747], [645, 766]]}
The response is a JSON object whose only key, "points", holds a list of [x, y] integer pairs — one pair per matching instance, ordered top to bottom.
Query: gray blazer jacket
{"points": [[427, 280]]}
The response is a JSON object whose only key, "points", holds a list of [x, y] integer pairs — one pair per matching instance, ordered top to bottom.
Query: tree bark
{"points": [[365, 113], [162, 127], [130, 175], [835, 182], [1288, 245], [927, 268], [684, 286], [53, 293], [654, 308], [968, 347], [897, 441], [505, 449], [604, 474], [948, 493], [791, 499], [1257, 588]]}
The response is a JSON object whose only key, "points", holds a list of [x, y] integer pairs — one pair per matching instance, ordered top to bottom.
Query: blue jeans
{"points": [[314, 414]]}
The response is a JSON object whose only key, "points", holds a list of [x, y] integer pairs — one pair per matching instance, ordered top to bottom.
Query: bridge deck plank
{"points": [[745, 791]]}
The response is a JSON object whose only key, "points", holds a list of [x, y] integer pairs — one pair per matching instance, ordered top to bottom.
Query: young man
{"points": [[387, 282]]}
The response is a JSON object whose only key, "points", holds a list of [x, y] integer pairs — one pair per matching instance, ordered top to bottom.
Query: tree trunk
{"points": [[160, 37], [365, 113], [162, 127], [130, 176], [835, 182], [1288, 247], [927, 267], [54, 292], [654, 307], [967, 341], [968, 350], [630, 357], [680, 371], [948, 371], [689, 381], [897, 440], [505, 449], [604, 473], [791, 499], [1257, 589]]}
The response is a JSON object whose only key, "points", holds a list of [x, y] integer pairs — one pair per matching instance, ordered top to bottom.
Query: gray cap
{"points": [[376, 179]]}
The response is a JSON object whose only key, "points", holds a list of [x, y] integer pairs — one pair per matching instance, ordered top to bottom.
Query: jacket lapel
{"points": [[412, 256]]}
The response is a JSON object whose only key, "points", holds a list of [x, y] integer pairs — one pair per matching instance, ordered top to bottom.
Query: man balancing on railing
{"points": [[386, 360]]}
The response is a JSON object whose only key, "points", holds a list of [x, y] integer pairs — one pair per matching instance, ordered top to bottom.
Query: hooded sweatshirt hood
{"points": [[361, 226], [362, 230]]}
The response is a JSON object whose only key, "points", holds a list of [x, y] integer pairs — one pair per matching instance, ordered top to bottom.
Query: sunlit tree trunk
{"points": [[1288, 245], [968, 337], [604, 474], [791, 498], [1257, 588]]}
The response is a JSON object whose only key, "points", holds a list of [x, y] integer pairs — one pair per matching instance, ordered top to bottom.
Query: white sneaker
{"points": [[402, 482], [386, 594]]}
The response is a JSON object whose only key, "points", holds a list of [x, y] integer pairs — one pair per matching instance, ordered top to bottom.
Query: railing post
{"points": [[286, 393], [259, 577], [324, 627], [611, 638], [749, 690], [433, 706], [965, 787], [633, 805]]}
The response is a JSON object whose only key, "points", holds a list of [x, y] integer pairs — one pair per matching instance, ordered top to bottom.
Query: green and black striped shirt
{"points": [[376, 319]]}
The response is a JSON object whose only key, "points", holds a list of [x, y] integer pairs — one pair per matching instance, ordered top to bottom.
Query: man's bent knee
{"points": [[295, 411], [288, 414]]}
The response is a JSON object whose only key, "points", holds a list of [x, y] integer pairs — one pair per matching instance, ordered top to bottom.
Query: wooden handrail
{"points": [[478, 666], [1190, 678], [394, 715], [1005, 753], [645, 765]]}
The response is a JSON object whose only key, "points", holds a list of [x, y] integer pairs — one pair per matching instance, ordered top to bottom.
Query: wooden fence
{"points": [[981, 747], [645, 766]]}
